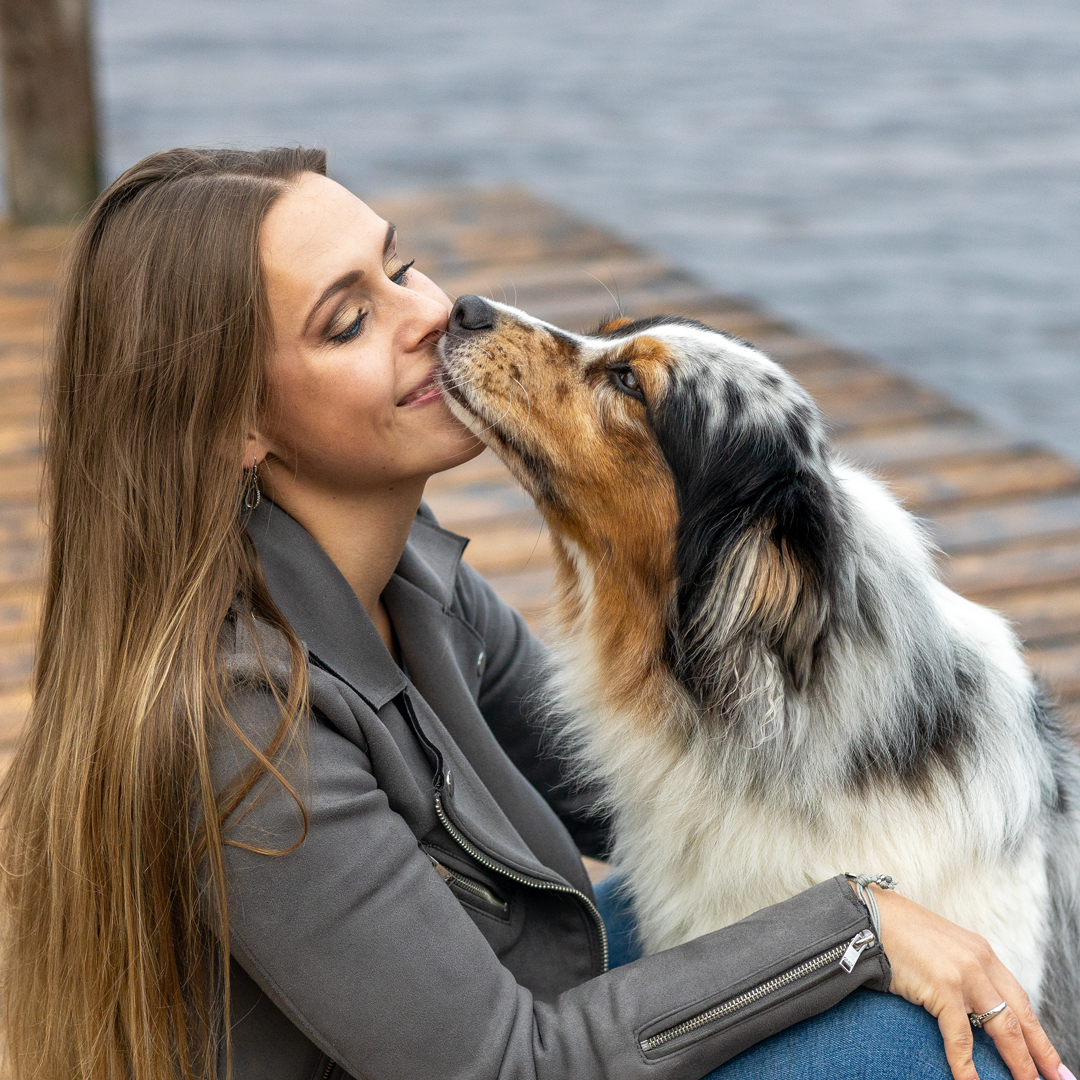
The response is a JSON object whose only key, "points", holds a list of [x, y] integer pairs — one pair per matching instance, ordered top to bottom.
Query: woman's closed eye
{"points": [[399, 276], [352, 330]]}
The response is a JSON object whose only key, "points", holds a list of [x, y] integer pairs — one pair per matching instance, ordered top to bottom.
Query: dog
{"points": [[756, 655]]}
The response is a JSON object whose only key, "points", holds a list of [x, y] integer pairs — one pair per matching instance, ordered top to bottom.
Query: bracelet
{"points": [[865, 894]]}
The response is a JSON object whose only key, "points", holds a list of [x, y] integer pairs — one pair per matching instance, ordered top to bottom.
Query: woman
{"points": [[279, 806]]}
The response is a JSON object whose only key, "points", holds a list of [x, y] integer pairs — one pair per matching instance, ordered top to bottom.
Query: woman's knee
{"points": [[867, 1036]]}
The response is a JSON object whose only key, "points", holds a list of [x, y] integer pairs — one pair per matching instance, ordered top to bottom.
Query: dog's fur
{"points": [[761, 663]]}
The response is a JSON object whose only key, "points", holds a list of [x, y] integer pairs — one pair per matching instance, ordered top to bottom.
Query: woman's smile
{"points": [[425, 392]]}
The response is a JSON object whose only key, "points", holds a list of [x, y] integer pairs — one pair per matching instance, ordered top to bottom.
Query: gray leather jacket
{"points": [[437, 920]]}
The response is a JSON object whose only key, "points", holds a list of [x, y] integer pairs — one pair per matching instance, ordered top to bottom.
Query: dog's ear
{"points": [[756, 554]]}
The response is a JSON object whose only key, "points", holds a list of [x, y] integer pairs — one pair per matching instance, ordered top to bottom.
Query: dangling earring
{"points": [[252, 494]]}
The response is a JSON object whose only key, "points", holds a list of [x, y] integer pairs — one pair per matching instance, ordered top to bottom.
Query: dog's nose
{"points": [[472, 313]]}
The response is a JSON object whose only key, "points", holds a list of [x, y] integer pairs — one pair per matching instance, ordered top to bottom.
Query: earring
{"points": [[252, 494]]}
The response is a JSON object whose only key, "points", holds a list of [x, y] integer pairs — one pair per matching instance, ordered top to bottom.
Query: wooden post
{"points": [[50, 123]]}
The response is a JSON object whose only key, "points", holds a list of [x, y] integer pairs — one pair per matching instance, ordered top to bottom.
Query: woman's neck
{"points": [[363, 532]]}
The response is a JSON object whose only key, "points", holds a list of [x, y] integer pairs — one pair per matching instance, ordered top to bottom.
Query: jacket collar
{"points": [[323, 610]]}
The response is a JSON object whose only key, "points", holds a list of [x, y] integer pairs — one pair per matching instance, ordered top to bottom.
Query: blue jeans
{"points": [[867, 1036]]}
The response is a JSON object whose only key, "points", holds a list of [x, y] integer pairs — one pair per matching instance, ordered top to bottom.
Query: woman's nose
{"points": [[470, 314]]}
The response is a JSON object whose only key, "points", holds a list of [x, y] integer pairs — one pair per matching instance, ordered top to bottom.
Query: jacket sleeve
{"points": [[512, 701], [356, 939]]}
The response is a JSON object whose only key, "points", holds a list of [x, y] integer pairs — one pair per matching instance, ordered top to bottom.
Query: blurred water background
{"points": [[902, 175]]}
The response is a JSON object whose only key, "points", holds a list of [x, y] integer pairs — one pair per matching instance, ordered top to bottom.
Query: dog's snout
{"points": [[472, 313]]}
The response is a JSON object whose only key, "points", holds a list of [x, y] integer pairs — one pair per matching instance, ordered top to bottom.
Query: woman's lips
{"points": [[422, 394]]}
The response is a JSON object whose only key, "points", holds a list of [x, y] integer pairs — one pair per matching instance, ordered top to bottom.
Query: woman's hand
{"points": [[951, 972]]}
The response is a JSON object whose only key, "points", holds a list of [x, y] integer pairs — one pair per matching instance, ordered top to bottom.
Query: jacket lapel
{"points": [[320, 605], [326, 615], [520, 828]]}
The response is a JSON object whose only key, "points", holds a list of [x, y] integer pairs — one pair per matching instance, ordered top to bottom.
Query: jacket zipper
{"points": [[443, 781], [467, 884], [551, 886], [847, 953], [328, 1070]]}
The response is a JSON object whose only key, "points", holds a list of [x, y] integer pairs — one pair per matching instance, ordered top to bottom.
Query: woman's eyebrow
{"points": [[346, 281]]}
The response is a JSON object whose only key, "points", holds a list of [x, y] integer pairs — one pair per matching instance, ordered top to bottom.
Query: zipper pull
{"points": [[438, 867], [855, 948]]}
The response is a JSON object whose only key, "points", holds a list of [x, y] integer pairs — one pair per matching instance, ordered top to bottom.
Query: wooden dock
{"points": [[1005, 512]]}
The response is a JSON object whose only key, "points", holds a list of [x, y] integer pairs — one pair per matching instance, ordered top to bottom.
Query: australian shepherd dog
{"points": [[756, 655]]}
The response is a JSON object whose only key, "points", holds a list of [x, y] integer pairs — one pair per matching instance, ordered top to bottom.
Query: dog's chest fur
{"points": [[715, 821]]}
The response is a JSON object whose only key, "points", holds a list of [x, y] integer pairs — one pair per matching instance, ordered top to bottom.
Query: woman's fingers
{"points": [[952, 972], [1004, 1029], [1009, 1039], [959, 1042], [1038, 1042]]}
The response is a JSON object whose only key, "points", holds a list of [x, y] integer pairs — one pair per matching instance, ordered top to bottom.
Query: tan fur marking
{"points": [[614, 324], [605, 489], [778, 585]]}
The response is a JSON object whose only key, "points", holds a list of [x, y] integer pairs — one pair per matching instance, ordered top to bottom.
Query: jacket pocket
{"points": [[474, 893], [672, 1034]]}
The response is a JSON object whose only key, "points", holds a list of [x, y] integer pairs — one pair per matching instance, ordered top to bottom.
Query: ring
{"points": [[978, 1019]]}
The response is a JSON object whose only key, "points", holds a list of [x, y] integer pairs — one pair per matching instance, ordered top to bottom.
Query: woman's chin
{"points": [[465, 448]]}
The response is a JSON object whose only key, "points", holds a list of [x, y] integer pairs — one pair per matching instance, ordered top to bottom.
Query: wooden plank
{"points": [[452, 232], [530, 284], [584, 311], [22, 313], [787, 346], [19, 360], [26, 380], [881, 404], [20, 407], [19, 440], [923, 444], [485, 468], [983, 480], [19, 481], [481, 505], [1008, 512], [1044, 517], [19, 522], [509, 549], [20, 561], [988, 576], [529, 591], [20, 606], [1041, 614], [16, 664], [1059, 666], [14, 705]]}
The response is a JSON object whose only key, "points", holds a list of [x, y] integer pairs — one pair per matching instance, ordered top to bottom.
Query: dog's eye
{"points": [[627, 381]]}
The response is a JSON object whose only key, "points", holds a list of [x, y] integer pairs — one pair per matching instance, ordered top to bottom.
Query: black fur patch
{"points": [[734, 399], [729, 480], [935, 732]]}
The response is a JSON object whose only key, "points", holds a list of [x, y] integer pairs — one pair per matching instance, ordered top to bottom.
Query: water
{"points": [[903, 176]]}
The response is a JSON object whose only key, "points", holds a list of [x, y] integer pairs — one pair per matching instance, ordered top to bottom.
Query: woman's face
{"points": [[353, 405]]}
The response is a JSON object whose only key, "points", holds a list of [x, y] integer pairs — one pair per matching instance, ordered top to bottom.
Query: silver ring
{"points": [[978, 1019]]}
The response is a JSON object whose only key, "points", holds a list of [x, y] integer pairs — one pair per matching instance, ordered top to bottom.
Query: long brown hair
{"points": [[115, 943]]}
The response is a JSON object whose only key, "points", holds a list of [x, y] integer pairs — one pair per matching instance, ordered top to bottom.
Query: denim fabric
{"points": [[868, 1036]]}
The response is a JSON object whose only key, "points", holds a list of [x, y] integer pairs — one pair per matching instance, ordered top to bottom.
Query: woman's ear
{"points": [[256, 447]]}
